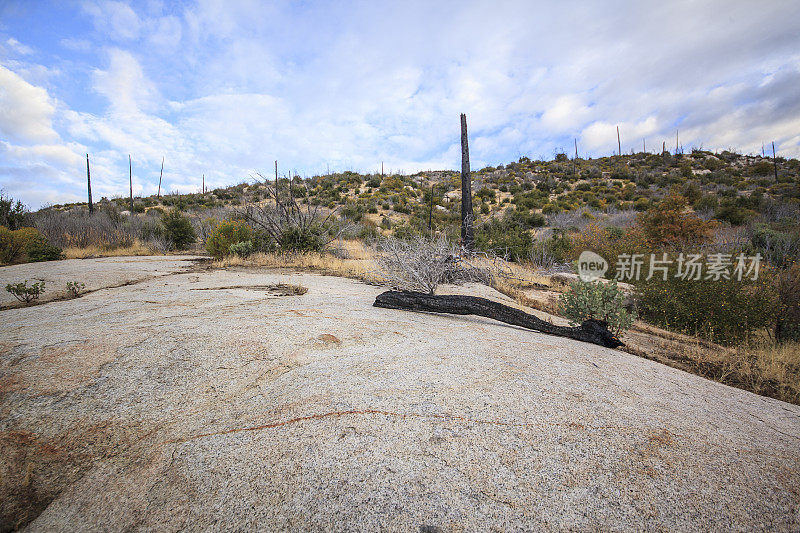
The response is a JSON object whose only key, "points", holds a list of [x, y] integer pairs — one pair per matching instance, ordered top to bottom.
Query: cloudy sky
{"points": [[225, 87]]}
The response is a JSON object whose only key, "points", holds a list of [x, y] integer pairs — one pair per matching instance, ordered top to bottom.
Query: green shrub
{"points": [[728, 211], [13, 213], [178, 229], [226, 233], [505, 237], [302, 239], [14, 244], [11, 245], [38, 249], [242, 249], [75, 288], [26, 294], [598, 301], [725, 311], [787, 327]]}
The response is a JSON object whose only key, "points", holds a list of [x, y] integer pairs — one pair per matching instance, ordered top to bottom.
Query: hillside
{"points": [[728, 186]]}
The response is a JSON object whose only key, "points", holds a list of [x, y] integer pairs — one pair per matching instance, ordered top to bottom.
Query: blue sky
{"points": [[223, 88]]}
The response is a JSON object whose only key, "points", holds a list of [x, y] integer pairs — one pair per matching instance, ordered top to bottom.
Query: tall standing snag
{"points": [[619, 143], [774, 161], [160, 176], [130, 178], [89, 185], [277, 207], [467, 235]]}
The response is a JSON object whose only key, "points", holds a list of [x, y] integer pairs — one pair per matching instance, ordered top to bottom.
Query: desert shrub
{"points": [[762, 168], [486, 193], [707, 202], [550, 209], [729, 211], [352, 212], [13, 214], [668, 223], [178, 229], [405, 231], [224, 234], [508, 236], [302, 238], [609, 241], [512, 242], [25, 244], [12, 245], [778, 247], [38, 249], [242, 249], [551, 252], [24, 293], [599, 301], [725, 311], [787, 327]]}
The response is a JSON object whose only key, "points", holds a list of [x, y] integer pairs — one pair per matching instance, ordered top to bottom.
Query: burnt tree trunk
{"points": [[774, 162], [161, 175], [130, 178], [89, 185], [467, 235], [593, 331]]}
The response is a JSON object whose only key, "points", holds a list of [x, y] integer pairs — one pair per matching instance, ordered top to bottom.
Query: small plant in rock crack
{"points": [[75, 288], [24, 293]]}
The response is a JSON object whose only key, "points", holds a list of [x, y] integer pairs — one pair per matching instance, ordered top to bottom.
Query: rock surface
{"points": [[93, 273], [154, 406]]}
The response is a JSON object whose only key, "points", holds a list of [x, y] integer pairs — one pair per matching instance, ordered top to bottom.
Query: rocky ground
{"points": [[204, 400]]}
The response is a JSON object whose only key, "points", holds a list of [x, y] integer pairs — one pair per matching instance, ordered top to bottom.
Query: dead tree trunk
{"points": [[619, 143], [774, 162], [160, 176], [130, 178], [89, 185], [430, 213], [467, 235], [593, 331]]}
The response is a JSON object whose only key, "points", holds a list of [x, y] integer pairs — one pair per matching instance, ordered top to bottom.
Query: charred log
{"points": [[593, 331]]}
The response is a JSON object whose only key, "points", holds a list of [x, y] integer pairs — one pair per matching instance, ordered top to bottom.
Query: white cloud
{"points": [[117, 20], [77, 45], [18, 47], [124, 84], [225, 88], [26, 111]]}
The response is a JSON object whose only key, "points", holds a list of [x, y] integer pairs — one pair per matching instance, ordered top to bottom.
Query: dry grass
{"points": [[138, 248], [359, 264], [288, 289], [765, 368]]}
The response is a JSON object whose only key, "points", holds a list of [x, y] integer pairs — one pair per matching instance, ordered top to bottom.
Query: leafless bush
{"points": [[777, 211], [580, 218], [206, 220], [290, 225], [106, 228], [423, 263]]}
